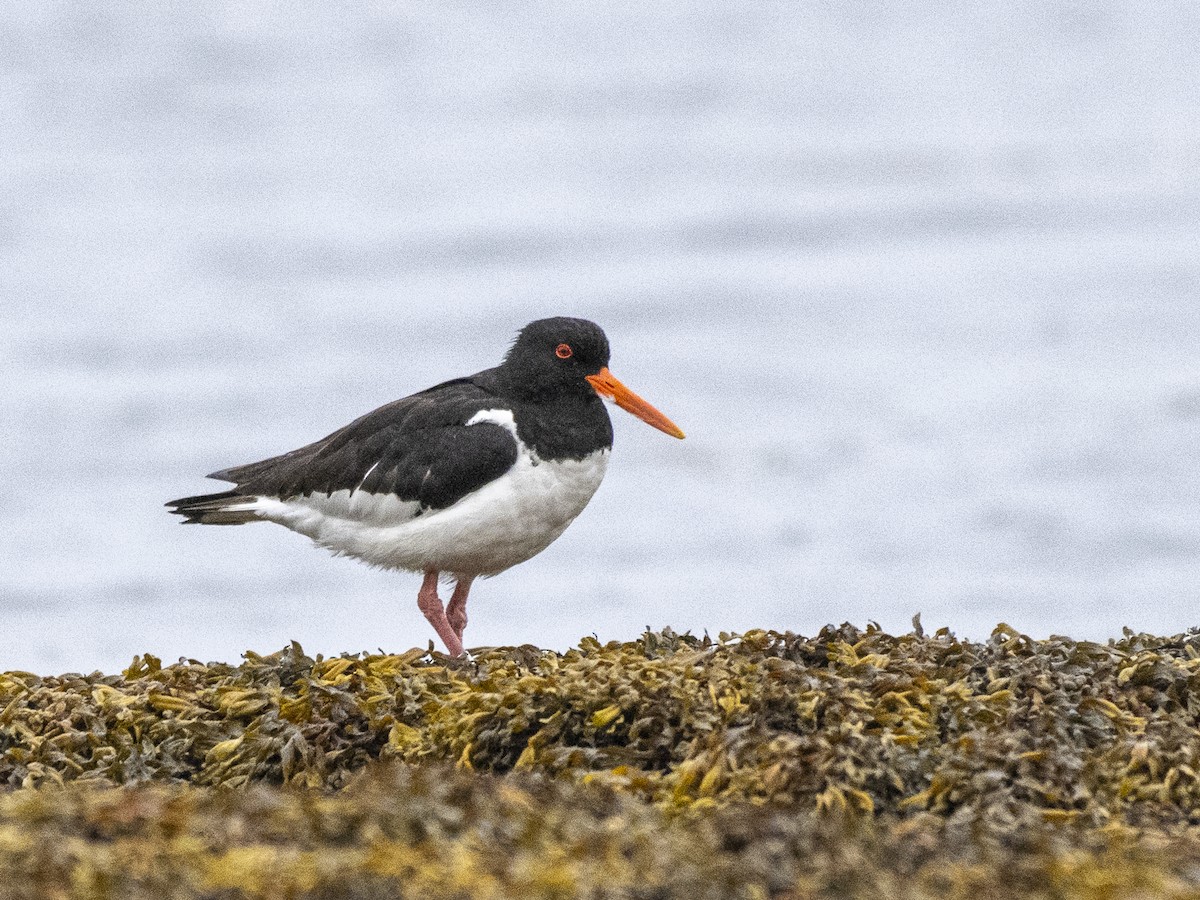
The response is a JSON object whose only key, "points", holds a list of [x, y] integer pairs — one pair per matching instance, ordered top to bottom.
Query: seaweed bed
{"points": [[849, 764]]}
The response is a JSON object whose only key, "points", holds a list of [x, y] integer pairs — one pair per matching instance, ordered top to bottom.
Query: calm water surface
{"points": [[921, 284]]}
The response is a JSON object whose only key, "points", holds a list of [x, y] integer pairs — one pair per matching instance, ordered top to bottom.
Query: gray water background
{"points": [[921, 281]]}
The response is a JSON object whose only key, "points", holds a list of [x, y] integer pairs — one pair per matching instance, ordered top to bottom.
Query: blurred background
{"points": [[921, 282]]}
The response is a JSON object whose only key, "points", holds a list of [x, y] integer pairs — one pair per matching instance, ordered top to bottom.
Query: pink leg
{"points": [[430, 604], [456, 609]]}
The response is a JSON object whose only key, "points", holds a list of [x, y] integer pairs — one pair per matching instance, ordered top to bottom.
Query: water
{"points": [[921, 284]]}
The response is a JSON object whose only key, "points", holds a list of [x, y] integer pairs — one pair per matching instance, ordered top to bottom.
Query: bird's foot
{"points": [[430, 604], [456, 609]]}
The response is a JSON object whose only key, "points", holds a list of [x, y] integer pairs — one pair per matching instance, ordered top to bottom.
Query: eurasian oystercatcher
{"points": [[464, 479]]}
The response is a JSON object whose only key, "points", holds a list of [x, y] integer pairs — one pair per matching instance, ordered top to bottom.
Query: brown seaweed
{"points": [[784, 762]]}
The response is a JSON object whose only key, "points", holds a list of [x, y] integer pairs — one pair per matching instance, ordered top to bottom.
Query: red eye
{"points": [[563, 351]]}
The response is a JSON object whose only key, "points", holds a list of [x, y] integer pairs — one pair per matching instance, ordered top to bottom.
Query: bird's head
{"points": [[564, 355]]}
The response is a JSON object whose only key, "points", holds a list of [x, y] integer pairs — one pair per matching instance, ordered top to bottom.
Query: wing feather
{"points": [[418, 448]]}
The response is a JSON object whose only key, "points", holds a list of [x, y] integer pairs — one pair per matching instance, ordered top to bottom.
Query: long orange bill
{"points": [[606, 385]]}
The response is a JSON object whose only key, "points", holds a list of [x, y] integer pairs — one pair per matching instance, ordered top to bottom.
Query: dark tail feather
{"points": [[215, 509]]}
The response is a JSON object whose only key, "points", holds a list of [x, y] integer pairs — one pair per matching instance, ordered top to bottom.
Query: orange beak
{"points": [[606, 385]]}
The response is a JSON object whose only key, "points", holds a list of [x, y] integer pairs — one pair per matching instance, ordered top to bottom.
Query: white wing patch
{"points": [[501, 417], [374, 466], [316, 514]]}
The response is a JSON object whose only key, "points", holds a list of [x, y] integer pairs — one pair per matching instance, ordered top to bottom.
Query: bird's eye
{"points": [[563, 351]]}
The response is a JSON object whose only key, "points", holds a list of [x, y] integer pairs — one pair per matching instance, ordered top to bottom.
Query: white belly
{"points": [[503, 523]]}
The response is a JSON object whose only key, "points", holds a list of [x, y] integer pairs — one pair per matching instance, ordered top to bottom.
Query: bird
{"points": [[460, 481]]}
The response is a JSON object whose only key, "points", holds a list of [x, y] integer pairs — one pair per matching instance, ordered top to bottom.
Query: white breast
{"points": [[503, 523]]}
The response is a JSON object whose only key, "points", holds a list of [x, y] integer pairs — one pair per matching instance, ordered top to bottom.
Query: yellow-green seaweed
{"points": [[764, 764]]}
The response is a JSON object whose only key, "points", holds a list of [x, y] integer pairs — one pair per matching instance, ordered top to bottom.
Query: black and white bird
{"points": [[465, 479]]}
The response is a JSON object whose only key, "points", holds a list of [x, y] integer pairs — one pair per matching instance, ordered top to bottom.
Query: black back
{"points": [[420, 448]]}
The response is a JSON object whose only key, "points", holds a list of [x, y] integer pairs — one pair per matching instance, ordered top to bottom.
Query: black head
{"points": [[554, 356], [565, 361]]}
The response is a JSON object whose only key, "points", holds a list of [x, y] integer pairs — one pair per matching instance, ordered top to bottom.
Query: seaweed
{"points": [[847, 763], [400, 831]]}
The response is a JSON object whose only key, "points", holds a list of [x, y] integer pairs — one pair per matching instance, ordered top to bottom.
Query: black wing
{"points": [[418, 448]]}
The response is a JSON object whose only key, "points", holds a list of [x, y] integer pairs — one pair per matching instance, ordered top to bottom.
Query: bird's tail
{"points": [[225, 508]]}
